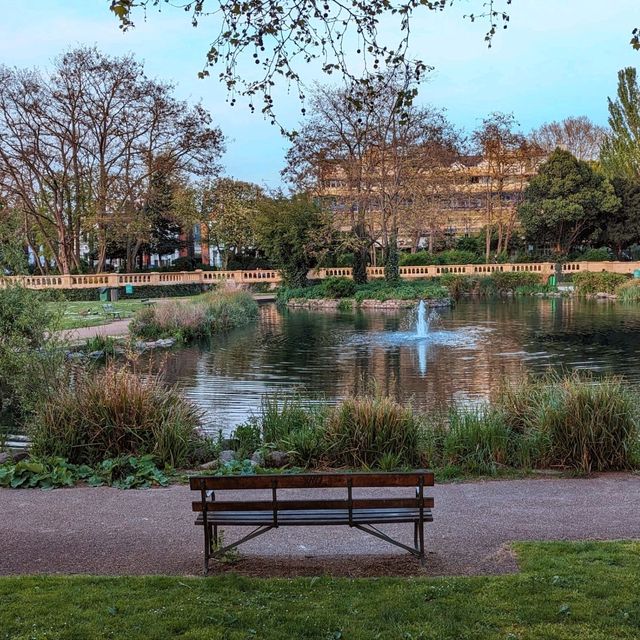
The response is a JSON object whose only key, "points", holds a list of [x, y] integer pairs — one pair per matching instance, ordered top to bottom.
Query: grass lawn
{"points": [[90, 314], [565, 591]]}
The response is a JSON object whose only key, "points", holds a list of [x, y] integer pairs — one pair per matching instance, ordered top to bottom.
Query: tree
{"points": [[276, 36], [279, 37], [578, 135], [80, 145], [620, 153], [366, 157], [507, 161], [566, 202], [229, 209], [622, 229], [293, 232]]}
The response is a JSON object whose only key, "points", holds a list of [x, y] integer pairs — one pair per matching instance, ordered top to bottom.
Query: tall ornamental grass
{"points": [[629, 291], [201, 317], [114, 411], [574, 421], [365, 432]]}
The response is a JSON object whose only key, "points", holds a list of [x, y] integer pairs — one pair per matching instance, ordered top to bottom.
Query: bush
{"points": [[603, 254], [451, 256], [513, 280], [591, 282], [339, 287], [629, 291], [139, 292], [202, 317], [30, 355], [114, 412], [283, 416], [574, 421], [360, 432], [127, 472]]}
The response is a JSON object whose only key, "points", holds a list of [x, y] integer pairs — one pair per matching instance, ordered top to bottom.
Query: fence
{"points": [[91, 281]]}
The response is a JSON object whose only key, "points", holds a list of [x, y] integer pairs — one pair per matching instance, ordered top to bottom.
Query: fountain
{"points": [[422, 323]]}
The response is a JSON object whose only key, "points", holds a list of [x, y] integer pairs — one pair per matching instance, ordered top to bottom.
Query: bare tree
{"points": [[578, 135], [78, 146], [508, 160]]}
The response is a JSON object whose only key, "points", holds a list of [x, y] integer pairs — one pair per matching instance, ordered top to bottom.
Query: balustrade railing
{"points": [[154, 278]]}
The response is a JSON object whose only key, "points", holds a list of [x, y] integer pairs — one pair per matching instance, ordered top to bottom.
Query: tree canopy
{"points": [[280, 37], [565, 203]]}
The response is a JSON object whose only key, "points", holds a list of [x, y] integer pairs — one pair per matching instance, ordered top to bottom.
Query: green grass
{"points": [[91, 314], [565, 591]]}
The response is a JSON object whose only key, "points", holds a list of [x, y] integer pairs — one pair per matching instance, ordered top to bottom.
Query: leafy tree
{"points": [[620, 154], [566, 202], [229, 209], [622, 229], [294, 233]]}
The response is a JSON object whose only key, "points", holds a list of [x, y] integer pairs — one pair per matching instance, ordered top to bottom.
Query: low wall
{"points": [[92, 281]]}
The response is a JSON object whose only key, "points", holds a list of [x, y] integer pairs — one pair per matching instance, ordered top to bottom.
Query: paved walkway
{"points": [[116, 329], [107, 531]]}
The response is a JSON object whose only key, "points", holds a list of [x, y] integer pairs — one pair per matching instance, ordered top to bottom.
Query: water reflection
{"points": [[472, 348]]}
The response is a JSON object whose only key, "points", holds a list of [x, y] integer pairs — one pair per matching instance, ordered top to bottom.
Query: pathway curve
{"points": [[107, 531]]}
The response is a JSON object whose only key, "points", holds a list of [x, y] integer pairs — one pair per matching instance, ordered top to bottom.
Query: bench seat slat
{"points": [[313, 480], [311, 504], [316, 517]]}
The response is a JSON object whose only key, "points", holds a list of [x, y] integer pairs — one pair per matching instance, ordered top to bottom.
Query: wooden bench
{"points": [[110, 310], [308, 508]]}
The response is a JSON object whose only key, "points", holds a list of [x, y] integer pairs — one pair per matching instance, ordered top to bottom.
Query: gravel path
{"points": [[115, 329], [107, 531]]}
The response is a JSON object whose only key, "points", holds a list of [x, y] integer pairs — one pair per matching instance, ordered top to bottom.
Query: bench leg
{"points": [[420, 528], [207, 548]]}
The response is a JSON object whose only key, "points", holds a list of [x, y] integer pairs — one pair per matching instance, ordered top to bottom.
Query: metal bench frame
{"points": [[359, 513]]}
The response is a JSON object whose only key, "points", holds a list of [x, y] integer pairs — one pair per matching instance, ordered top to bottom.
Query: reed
{"points": [[95, 415]]}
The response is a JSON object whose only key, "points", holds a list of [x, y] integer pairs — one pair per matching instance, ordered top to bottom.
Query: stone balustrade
{"points": [[153, 278]]}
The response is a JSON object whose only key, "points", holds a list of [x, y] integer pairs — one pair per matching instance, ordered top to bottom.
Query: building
{"points": [[458, 199]]}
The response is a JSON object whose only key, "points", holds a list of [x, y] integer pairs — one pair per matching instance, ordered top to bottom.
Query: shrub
{"points": [[602, 254], [511, 281], [591, 282], [339, 287], [629, 291], [202, 317], [30, 355], [114, 412], [283, 416], [574, 421], [359, 432], [246, 438], [477, 441], [127, 472]]}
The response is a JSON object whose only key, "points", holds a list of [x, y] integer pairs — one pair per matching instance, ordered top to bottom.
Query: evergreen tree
{"points": [[620, 154], [566, 203]]}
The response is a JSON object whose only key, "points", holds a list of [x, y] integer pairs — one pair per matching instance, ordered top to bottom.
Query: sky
{"points": [[557, 58]]}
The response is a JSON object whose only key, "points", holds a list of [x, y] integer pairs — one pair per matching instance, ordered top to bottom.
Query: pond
{"points": [[466, 353]]}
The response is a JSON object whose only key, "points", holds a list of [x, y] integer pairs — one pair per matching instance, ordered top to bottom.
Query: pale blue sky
{"points": [[557, 58]]}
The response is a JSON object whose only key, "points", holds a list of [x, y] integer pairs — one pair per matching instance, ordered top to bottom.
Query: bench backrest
{"points": [[348, 481]]}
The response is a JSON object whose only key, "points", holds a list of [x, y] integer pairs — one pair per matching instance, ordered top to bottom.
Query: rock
{"points": [[165, 343], [140, 345], [74, 355], [96, 355], [16, 456], [227, 456], [4, 457], [257, 458], [277, 459], [210, 466]]}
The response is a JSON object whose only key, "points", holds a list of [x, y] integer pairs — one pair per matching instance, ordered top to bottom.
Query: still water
{"points": [[468, 350]]}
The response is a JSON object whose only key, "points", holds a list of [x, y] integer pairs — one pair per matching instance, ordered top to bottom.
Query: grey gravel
{"points": [[109, 531]]}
